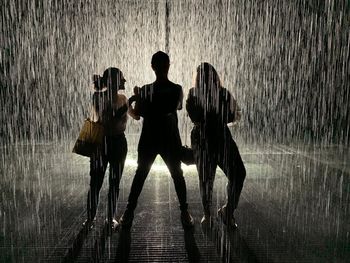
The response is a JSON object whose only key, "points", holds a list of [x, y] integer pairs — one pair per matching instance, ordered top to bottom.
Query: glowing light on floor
{"points": [[159, 167]]}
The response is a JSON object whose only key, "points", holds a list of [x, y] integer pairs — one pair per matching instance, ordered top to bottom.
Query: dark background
{"points": [[287, 62]]}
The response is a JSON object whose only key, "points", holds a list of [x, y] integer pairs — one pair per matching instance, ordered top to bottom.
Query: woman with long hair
{"points": [[211, 107], [110, 108]]}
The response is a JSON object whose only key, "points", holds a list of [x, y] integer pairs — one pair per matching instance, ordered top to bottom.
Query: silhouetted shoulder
{"points": [[175, 85], [147, 86], [145, 90], [174, 90], [191, 92], [225, 92], [179, 93], [226, 96], [98, 99], [122, 100], [193, 107], [228, 110]]}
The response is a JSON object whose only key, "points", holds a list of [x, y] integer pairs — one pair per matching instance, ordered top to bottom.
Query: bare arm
{"points": [[181, 97], [134, 110], [194, 110], [234, 110], [96, 112]]}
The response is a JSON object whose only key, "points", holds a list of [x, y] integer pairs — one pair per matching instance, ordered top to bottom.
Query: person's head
{"points": [[160, 63], [206, 77], [113, 79]]}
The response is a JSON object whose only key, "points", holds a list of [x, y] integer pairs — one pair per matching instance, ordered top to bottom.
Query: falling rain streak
{"points": [[286, 62]]}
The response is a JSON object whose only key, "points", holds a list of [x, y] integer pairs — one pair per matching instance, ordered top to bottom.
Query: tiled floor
{"points": [[295, 207]]}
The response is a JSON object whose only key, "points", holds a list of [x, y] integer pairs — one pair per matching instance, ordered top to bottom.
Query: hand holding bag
{"points": [[90, 138], [187, 156]]}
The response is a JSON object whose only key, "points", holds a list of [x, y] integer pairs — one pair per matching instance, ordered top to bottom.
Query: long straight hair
{"points": [[207, 86]]}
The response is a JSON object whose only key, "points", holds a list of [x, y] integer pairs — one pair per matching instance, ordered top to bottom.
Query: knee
{"points": [[239, 169], [242, 171], [141, 173], [177, 174], [115, 175], [237, 175], [96, 182], [113, 182], [96, 187], [206, 187]]}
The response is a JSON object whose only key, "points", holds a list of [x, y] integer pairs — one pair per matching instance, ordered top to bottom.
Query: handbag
{"points": [[90, 138], [187, 156]]}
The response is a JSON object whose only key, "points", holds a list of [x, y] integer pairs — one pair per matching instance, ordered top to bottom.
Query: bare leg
{"points": [[231, 163], [98, 166]]}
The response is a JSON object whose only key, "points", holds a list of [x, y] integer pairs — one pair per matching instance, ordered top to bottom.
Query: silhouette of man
{"points": [[157, 103]]}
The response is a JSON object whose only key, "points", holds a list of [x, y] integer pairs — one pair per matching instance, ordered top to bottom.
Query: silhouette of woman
{"points": [[211, 107], [109, 108]]}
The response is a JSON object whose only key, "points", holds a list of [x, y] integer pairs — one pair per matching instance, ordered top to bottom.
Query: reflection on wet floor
{"points": [[294, 207]]}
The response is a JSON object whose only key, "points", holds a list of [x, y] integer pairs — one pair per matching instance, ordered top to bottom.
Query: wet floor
{"points": [[287, 64], [294, 208]]}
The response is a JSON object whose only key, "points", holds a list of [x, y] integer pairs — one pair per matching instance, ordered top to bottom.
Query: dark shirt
{"points": [[159, 99], [158, 103], [211, 112]]}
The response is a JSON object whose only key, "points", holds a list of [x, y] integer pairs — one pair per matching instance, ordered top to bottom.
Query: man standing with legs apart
{"points": [[157, 103]]}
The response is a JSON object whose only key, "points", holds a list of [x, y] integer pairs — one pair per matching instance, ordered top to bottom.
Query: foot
{"points": [[126, 219], [187, 219], [207, 220], [228, 220], [89, 224], [113, 225]]}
